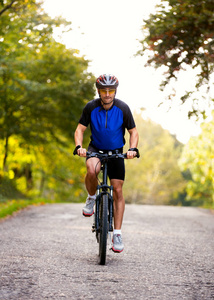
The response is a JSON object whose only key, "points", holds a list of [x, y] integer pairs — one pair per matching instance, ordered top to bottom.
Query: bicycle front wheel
{"points": [[103, 229]]}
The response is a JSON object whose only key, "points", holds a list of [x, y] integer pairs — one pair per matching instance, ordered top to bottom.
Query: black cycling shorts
{"points": [[116, 166]]}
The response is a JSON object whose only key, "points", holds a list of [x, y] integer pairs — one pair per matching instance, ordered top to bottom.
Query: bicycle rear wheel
{"points": [[103, 229]]}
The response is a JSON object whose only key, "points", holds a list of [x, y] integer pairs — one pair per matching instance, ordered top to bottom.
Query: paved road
{"points": [[49, 252]]}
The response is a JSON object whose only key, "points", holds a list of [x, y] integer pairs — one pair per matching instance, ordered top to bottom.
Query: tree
{"points": [[178, 36], [43, 85], [198, 158], [49, 171], [155, 178]]}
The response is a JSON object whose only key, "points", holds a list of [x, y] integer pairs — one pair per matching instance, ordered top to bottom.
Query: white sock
{"points": [[93, 196], [117, 231]]}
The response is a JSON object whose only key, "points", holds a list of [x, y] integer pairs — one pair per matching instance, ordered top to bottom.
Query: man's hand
{"points": [[81, 152], [131, 154]]}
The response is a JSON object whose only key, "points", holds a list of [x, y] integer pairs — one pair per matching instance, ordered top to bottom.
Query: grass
{"points": [[9, 207]]}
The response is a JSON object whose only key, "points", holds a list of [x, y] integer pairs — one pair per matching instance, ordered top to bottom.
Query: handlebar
{"points": [[109, 154], [106, 155]]}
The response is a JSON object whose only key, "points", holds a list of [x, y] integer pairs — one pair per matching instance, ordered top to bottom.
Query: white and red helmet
{"points": [[107, 81]]}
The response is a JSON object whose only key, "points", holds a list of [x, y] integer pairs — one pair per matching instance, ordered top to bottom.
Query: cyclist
{"points": [[108, 118]]}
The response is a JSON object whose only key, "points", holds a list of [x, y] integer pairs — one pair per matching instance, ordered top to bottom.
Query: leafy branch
{"points": [[6, 7]]}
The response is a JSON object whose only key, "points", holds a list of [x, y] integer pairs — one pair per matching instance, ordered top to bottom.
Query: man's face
{"points": [[107, 95]]}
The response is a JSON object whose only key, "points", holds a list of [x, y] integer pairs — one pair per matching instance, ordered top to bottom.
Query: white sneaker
{"points": [[88, 209], [117, 243]]}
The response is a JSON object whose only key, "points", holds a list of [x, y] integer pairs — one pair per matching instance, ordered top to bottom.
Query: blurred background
{"points": [[163, 55]]}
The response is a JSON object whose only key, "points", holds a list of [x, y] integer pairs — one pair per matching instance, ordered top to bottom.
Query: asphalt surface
{"points": [[49, 252]]}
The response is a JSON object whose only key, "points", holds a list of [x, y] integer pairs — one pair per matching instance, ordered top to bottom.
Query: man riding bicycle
{"points": [[108, 118]]}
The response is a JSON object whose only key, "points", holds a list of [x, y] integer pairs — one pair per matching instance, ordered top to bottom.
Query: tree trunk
{"points": [[5, 153], [29, 177], [42, 183]]}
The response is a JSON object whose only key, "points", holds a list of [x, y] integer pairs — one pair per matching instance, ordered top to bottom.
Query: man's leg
{"points": [[91, 176], [91, 185], [119, 202], [119, 207]]}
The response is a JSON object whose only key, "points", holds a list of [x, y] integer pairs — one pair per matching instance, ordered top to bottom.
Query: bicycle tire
{"points": [[103, 229]]}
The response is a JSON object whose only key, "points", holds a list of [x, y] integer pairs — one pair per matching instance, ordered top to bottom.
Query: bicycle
{"points": [[103, 215]]}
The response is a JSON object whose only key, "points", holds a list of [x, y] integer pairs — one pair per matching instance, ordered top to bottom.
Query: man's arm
{"points": [[78, 138], [133, 142]]}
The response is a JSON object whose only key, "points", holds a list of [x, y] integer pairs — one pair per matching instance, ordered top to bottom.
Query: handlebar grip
{"points": [[75, 150], [136, 150]]}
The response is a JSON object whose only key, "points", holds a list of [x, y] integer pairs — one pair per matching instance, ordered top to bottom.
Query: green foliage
{"points": [[181, 34], [43, 85], [43, 88], [198, 158], [49, 171], [155, 178], [63, 180], [8, 189], [9, 207]]}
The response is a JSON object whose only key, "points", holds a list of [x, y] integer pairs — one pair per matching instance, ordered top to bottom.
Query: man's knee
{"points": [[92, 168], [90, 172], [118, 187]]}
